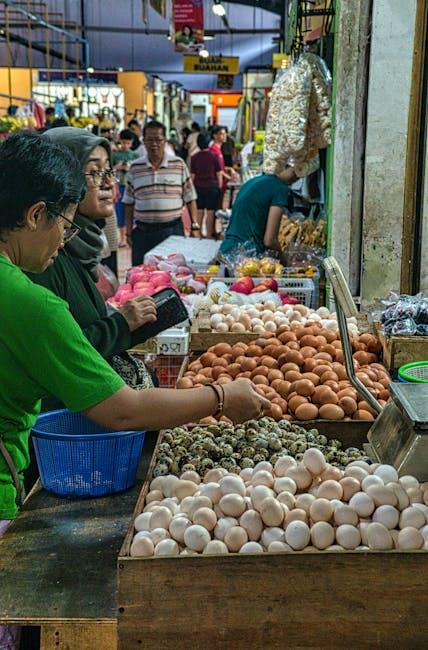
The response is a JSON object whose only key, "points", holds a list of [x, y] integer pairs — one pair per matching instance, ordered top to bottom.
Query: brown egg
{"points": [[281, 329], [329, 335], [287, 336], [321, 340], [308, 341], [262, 342], [293, 345], [337, 345], [357, 346], [222, 348], [329, 349], [237, 351], [254, 351], [273, 351], [308, 352], [293, 356], [324, 356], [339, 356], [361, 357], [219, 361], [269, 362], [247, 363], [310, 364], [195, 366], [290, 366], [234, 369], [260, 370], [320, 370], [207, 372], [341, 372], [189, 374], [329, 374], [275, 375], [292, 375], [312, 377], [201, 379], [224, 379], [260, 379], [364, 379], [384, 380], [184, 382], [275, 383], [345, 383], [333, 385], [304, 387], [283, 388], [384, 394], [324, 395], [296, 401], [281, 402], [348, 405], [364, 406], [276, 412], [306, 412], [331, 412], [362, 415], [208, 420]]}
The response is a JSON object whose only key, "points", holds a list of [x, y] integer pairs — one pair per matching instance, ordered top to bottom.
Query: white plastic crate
{"points": [[302, 289]]}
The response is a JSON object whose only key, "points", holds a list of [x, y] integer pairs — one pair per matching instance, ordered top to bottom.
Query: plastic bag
{"points": [[107, 283], [404, 315]]}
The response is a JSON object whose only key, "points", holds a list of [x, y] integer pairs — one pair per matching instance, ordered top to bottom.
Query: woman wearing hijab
{"points": [[74, 275], [43, 351]]}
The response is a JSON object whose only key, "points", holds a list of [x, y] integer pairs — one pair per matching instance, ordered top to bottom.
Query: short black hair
{"points": [[50, 110], [133, 122], [154, 124], [195, 126], [217, 129], [127, 134], [203, 141], [34, 169]]}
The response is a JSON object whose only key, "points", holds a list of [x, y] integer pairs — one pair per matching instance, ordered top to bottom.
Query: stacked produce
{"points": [[307, 233], [253, 266], [148, 279], [269, 317], [301, 372], [234, 448], [307, 506]]}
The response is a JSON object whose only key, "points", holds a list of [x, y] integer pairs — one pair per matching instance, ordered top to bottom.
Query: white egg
{"points": [[269, 304], [260, 306], [216, 309], [226, 309], [235, 313], [268, 318], [216, 319], [229, 320], [270, 326], [222, 327], [387, 473]]}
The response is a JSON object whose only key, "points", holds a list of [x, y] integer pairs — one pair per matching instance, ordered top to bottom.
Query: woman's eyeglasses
{"points": [[101, 176], [70, 231]]}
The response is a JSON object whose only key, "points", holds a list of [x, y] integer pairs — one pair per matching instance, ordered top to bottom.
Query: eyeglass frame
{"points": [[103, 175], [74, 228]]}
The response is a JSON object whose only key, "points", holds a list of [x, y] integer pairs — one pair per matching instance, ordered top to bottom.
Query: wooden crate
{"points": [[203, 337], [399, 350], [293, 600]]}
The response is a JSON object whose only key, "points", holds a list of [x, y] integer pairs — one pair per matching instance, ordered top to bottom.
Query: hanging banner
{"points": [[188, 19], [212, 64]]}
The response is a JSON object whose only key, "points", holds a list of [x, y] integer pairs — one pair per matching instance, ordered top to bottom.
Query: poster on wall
{"points": [[188, 20], [225, 81]]}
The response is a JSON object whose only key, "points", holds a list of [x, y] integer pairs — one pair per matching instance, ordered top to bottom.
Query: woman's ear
{"points": [[34, 215]]}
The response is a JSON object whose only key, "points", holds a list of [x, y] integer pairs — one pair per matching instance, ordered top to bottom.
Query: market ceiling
{"points": [[119, 38]]}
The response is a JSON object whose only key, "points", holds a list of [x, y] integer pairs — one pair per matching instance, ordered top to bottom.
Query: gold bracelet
{"points": [[220, 398]]}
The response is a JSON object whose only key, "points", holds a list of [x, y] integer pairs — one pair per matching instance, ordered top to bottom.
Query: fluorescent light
{"points": [[218, 9], [209, 38], [204, 53], [90, 70]]}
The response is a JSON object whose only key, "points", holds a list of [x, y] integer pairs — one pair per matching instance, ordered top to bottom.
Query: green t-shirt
{"points": [[122, 156], [251, 210], [43, 352]]}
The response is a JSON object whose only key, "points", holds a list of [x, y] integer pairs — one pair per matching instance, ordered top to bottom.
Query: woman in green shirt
{"points": [[43, 351]]}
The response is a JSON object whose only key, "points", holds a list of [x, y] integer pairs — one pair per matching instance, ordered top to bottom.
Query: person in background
{"points": [[49, 116], [185, 133], [219, 136], [192, 141], [138, 143], [227, 149], [121, 161], [207, 176], [158, 186], [257, 212], [43, 350]]}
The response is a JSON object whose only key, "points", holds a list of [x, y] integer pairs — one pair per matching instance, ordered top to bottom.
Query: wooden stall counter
{"points": [[58, 565]]}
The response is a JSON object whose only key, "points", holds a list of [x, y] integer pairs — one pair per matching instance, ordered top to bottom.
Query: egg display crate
{"points": [[302, 289], [400, 350], [247, 598]]}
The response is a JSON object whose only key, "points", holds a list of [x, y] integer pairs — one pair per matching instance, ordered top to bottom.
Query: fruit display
{"points": [[305, 233], [253, 266], [148, 279], [247, 286], [268, 316], [300, 372], [221, 444], [291, 506]]}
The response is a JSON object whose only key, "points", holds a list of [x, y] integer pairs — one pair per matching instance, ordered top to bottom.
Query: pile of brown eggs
{"points": [[301, 372]]}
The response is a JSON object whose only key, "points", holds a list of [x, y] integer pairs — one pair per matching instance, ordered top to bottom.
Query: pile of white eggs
{"points": [[268, 317], [294, 506]]}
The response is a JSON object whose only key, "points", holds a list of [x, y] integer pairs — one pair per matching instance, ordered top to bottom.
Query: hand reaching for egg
{"points": [[242, 402]]}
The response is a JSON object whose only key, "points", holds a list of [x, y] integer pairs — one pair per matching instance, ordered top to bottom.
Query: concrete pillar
{"points": [[391, 59], [424, 260]]}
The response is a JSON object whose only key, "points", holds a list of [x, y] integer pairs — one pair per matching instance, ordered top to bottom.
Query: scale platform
{"points": [[399, 436]]}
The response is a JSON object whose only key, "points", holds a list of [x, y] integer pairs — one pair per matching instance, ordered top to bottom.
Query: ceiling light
{"points": [[218, 9], [209, 37], [204, 53], [120, 69], [90, 70]]}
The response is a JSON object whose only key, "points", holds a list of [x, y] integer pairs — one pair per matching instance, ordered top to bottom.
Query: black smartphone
{"points": [[171, 311]]}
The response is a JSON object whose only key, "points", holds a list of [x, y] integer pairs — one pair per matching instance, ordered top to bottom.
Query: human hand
{"points": [[139, 311], [242, 402]]}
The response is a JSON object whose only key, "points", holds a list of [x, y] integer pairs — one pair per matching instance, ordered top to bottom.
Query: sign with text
{"points": [[188, 20], [223, 65]]}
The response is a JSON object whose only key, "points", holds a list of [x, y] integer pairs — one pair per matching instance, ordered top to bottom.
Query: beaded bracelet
{"points": [[220, 397]]}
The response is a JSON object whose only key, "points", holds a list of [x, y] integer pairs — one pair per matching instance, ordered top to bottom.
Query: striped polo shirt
{"points": [[158, 194]]}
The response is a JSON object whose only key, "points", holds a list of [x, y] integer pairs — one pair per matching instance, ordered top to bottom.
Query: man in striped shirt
{"points": [[158, 186]]}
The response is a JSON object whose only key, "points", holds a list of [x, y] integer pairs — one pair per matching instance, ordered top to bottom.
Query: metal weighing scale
{"points": [[399, 436]]}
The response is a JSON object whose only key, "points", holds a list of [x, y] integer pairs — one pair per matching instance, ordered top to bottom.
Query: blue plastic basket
{"points": [[78, 458]]}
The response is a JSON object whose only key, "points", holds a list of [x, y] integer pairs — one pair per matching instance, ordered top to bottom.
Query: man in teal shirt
{"points": [[257, 212]]}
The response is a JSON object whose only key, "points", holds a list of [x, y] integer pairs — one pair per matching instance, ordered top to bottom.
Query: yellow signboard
{"points": [[280, 60], [212, 64]]}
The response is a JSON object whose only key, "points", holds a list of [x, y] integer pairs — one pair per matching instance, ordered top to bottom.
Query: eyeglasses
{"points": [[101, 176], [70, 231]]}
